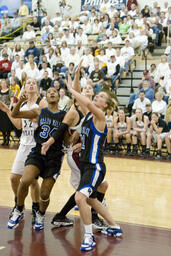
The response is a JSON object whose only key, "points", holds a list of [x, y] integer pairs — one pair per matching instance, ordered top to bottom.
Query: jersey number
{"points": [[28, 123], [46, 131]]}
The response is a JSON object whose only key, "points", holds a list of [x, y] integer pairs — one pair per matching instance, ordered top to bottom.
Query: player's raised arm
{"points": [[85, 101], [30, 114]]}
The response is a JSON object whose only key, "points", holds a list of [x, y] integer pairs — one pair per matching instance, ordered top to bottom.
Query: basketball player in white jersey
{"points": [[140, 125], [26, 141]]}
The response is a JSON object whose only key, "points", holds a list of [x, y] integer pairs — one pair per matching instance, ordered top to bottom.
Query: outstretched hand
{"points": [[79, 67], [69, 83], [23, 98]]}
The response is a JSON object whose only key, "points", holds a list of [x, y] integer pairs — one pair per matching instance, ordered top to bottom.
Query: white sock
{"points": [[88, 229]]}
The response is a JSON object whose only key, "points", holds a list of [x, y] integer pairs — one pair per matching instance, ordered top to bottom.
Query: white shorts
{"points": [[162, 136], [19, 162], [75, 171]]}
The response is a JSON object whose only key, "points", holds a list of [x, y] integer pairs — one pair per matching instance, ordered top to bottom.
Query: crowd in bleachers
{"points": [[106, 40]]}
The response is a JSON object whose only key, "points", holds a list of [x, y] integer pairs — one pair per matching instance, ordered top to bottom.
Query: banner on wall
{"points": [[96, 3], [11, 6]]}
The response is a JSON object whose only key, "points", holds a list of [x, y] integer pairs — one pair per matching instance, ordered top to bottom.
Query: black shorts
{"points": [[48, 165], [92, 176]]}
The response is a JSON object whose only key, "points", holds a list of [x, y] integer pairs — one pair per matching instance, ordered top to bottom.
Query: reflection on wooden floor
{"points": [[139, 191], [24, 241]]}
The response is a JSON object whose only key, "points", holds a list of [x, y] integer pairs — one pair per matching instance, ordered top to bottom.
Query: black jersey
{"points": [[48, 123], [92, 142]]}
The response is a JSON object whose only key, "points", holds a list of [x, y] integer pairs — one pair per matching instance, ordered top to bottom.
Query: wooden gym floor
{"points": [[138, 197]]}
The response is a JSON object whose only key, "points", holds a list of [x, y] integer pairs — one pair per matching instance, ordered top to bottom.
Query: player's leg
{"points": [[30, 173], [45, 191], [35, 194]]}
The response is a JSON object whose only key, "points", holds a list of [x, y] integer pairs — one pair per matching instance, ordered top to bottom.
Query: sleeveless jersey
{"points": [[109, 120], [48, 123], [140, 124], [28, 126], [77, 127], [122, 127], [92, 142]]}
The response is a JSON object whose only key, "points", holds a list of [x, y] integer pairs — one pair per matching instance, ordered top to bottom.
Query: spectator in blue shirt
{"points": [[32, 50]]}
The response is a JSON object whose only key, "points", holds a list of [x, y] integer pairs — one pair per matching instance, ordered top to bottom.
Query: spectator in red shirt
{"points": [[130, 2], [5, 66]]}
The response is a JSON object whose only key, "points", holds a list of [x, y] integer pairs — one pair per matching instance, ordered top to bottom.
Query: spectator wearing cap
{"points": [[29, 34], [68, 37], [32, 50], [128, 53], [5, 66], [146, 76], [141, 101]]}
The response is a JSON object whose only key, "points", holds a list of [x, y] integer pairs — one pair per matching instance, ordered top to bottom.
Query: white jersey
{"points": [[28, 127], [73, 158]]}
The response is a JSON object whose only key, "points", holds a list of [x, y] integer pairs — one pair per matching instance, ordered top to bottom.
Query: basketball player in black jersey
{"points": [[93, 135], [48, 167]]}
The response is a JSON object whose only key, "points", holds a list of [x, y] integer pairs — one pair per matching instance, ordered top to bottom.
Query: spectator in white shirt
{"points": [[105, 6], [96, 26], [86, 27], [29, 34], [81, 36], [68, 37], [115, 37], [18, 50], [64, 50], [110, 51], [168, 51], [128, 53], [51, 57], [72, 57], [87, 59], [16, 62], [45, 68], [162, 68], [20, 69], [113, 70], [33, 72], [63, 99], [141, 101], [159, 105]]}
